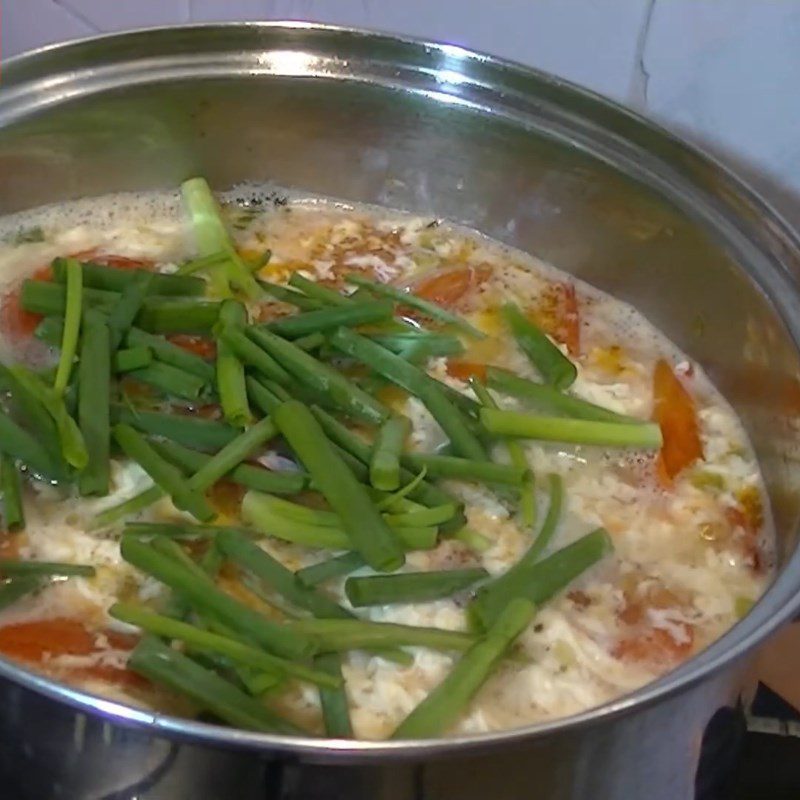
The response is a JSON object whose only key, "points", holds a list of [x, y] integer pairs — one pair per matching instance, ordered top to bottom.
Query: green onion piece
{"points": [[211, 237], [202, 263], [114, 279], [316, 291], [291, 296], [50, 299], [409, 299], [126, 310], [168, 315], [329, 318], [72, 325], [310, 342], [418, 346], [171, 354], [254, 356], [132, 358], [552, 364], [230, 370], [320, 377], [410, 378], [170, 381], [550, 400], [93, 409], [206, 434], [644, 435], [18, 443], [73, 448], [384, 467], [467, 469], [208, 473], [248, 475], [167, 477], [11, 483], [527, 494], [396, 499], [127, 508], [264, 513], [422, 517], [550, 523], [172, 530], [370, 535], [475, 541], [252, 559], [10, 567], [331, 568], [540, 581], [410, 587], [16, 588], [202, 593], [337, 635], [200, 639], [165, 666], [442, 707], [335, 711]]}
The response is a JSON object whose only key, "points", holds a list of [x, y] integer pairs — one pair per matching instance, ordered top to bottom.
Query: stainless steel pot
{"points": [[519, 155]]}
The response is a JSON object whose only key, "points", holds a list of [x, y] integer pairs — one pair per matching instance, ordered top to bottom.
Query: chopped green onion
{"points": [[212, 237], [114, 279], [409, 299], [330, 318], [72, 325], [132, 358], [230, 370], [170, 380], [94, 383], [550, 400], [645, 435], [73, 448], [384, 468], [167, 477], [11, 482], [527, 494], [550, 523], [10, 567], [331, 568], [539, 581], [410, 587], [16, 588], [203, 595], [337, 635], [204, 640], [165, 666], [442, 707]]}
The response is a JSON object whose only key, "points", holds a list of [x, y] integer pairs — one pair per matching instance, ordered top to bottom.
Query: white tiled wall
{"points": [[723, 72]]}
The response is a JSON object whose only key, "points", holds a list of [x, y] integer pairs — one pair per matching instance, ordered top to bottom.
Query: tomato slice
{"points": [[120, 262], [448, 288], [558, 314], [17, 324], [205, 348], [464, 370], [675, 413], [33, 641], [656, 645]]}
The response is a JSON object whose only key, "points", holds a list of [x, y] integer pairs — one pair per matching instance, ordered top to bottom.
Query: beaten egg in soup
{"points": [[485, 494]]}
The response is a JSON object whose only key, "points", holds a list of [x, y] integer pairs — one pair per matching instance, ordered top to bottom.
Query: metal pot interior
{"points": [[516, 154]]}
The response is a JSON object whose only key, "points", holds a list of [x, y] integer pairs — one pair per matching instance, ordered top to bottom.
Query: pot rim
{"points": [[733, 645]]}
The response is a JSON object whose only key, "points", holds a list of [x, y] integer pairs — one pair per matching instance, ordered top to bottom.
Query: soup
{"points": [[319, 469]]}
